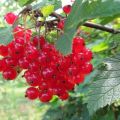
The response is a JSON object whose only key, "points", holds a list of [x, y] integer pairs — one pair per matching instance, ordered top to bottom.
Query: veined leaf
{"points": [[82, 11], [6, 35], [106, 89]]}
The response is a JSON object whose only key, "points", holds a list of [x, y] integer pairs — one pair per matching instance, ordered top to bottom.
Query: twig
{"points": [[100, 27]]}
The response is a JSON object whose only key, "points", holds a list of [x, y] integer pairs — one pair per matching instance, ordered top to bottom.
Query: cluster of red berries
{"points": [[47, 71]]}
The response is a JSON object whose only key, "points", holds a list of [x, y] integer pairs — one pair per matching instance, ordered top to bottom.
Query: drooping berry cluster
{"points": [[47, 71]]}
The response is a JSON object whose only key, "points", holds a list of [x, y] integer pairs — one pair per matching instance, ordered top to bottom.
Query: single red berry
{"points": [[67, 9], [10, 18], [61, 25], [18, 32], [20, 41], [78, 45], [3, 50], [16, 50], [31, 52], [88, 54], [43, 58], [78, 59], [10, 62], [23, 63], [2, 65], [34, 66], [87, 68], [73, 70], [48, 73], [9, 74], [32, 78], [79, 78], [44, 85], [69, 85], [32, 93], [45, 96], [64, 96]]}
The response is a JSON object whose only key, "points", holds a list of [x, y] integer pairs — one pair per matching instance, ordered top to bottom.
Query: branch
{"points": [[89, 24], [100, 27]]}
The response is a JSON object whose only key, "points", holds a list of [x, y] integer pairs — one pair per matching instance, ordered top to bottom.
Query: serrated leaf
{"points": [[47, 10], [83, 10], [6, 35], [106, 89]]}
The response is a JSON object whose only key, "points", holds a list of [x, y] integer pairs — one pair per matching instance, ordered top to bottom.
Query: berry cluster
{"points": [[47, 71]]}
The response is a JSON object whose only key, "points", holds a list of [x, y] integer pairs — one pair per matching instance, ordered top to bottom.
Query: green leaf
{"points": [[25, 2], [57, 4], [47, 10], [82, 11], [107, 20], [6, 35], [64, 44], [101, 47], [106, 89]]}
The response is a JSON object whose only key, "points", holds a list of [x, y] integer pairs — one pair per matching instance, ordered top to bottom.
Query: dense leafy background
{"points": [[98, 97]]}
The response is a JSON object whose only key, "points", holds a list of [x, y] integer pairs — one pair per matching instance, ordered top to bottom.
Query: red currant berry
{"points": [[67, 9], [10, 18], [61, 25], [18, 32], [20, 41], [78, 45], [3, 50], [88, 54], [78, 59], [10, 62], [23, 63], [2, 65], [87, 68], [73, 70], [48, 73], [9, 74], [32, 78], [79, 78], [44, 85], [32, 93], [45, 96], [64, 96]]}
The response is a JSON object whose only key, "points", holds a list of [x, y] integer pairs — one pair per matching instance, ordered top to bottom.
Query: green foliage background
{"points": [[98, 98]]}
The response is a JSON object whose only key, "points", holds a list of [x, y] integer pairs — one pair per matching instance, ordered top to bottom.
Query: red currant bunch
{"points": [[47, 72]]}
